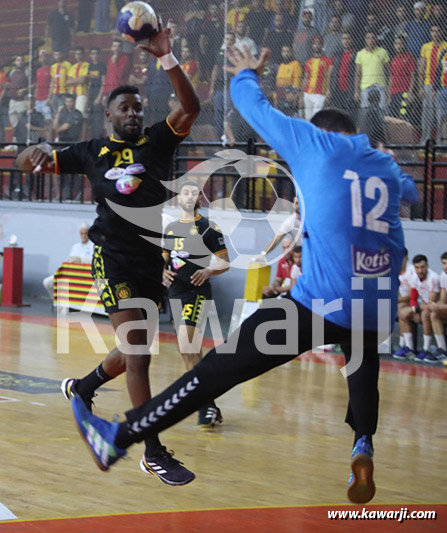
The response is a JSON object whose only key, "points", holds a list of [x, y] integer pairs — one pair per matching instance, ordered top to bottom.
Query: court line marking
{"points": [[316, 505], [6, 514]]}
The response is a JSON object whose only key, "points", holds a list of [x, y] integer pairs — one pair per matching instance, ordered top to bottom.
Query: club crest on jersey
{"points": [[142, 140], [193, 230], [370, 263], [122, 291]]}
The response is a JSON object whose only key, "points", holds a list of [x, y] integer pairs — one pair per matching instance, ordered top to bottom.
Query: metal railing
{"points": [[426, 163]]}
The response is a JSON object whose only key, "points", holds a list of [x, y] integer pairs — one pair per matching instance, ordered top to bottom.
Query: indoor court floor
{"points": [[278, 464]]}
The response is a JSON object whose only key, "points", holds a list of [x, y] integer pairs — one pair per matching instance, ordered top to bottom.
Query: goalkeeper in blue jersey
{"points": [[353, 245]]}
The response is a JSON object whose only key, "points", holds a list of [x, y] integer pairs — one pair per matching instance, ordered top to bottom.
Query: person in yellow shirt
{"points": [[237, 13], [431, 54], [290, 70], [372, 72], [78, 80], [58, 86]]}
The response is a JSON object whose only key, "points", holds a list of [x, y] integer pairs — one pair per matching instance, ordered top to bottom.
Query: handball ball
{"points": [[137, 21]]}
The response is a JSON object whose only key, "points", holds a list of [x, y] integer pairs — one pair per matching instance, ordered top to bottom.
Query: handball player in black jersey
{"points": [[127, 169], [189, 245]]}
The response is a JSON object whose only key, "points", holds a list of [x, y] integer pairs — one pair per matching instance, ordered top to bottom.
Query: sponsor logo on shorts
{"points": [[371, 263], [122, 291]]}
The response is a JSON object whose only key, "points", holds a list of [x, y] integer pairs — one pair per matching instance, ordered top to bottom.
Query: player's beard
{"points": [[128, 136]]}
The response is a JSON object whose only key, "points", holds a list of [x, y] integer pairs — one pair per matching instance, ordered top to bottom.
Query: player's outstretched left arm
{"points": [[180, 119]]}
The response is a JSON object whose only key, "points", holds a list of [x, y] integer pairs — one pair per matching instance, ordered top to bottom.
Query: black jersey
{"points": [[95, 158], [190, 245]]}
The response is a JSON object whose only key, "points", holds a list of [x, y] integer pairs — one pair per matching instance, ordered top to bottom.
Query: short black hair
{"points": [[80, 49], [122, 89], [70, 95], [332, 119], [191, 183], [298, 249], [405, 252], [444, 256], [418, 258]]}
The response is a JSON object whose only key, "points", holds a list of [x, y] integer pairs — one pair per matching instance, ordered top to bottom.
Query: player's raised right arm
{"points": [[37, 158]]}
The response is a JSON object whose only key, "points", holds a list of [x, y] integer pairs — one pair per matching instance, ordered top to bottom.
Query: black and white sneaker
{"points": [[438, 357], [68, 388], [209, 416], [166, 468]]}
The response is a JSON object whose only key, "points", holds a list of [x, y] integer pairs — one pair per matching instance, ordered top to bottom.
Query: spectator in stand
{"points": [[289, 9], [340, 11], [237, 13], [85, 14], [102, 16], [438, 16], [258, 19], [194, 23], [213, 27], [60, 29], [400, 29], [418, 29], [384, 34], [304, 36], [278, 37], [332, 38], [175, 39], [242, 39], [431, 54], [206, 58], [189, 65], [118, 68], [289, 72], [372, 72], [139, 74], [97, 77], [342, 77], [316, 78], [78, 80], [403, 81], [43, 82], [217, 85], [58, 86], [17, 90], [157, 90], [441, 95], [289, 101], [4, 120], [372, 120], [67, 123], [31, 124], [67, 126], [236, 129], [296, 270], [281, 283], [424, 288], [438, 315]]}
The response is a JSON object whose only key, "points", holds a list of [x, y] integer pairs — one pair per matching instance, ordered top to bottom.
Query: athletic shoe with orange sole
{"points": [[361, 488]]}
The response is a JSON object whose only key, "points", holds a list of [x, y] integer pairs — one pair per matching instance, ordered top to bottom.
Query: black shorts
{"points": [[123, 276], [192, 302]]}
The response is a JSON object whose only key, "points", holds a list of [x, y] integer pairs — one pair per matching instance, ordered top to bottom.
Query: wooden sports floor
{"points": [[278, 464]]}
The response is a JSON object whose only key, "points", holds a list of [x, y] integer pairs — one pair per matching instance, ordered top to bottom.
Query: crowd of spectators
{"points": [[376, 59]]}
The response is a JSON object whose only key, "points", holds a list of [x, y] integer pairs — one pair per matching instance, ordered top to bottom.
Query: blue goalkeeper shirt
{"points": [[353, 242]]}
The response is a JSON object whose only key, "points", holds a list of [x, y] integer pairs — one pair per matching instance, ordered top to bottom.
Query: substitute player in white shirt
{"points": [[424, 289], [438, 314], [406, 348]]}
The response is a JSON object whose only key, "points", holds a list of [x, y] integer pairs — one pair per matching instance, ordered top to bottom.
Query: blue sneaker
{"points": [[403, 352], [420, 357], [437, 357], [98, 434], [361, 488]]}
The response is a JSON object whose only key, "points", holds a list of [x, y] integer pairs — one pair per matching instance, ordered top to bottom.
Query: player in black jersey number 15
{"points": [[126, 170]]}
